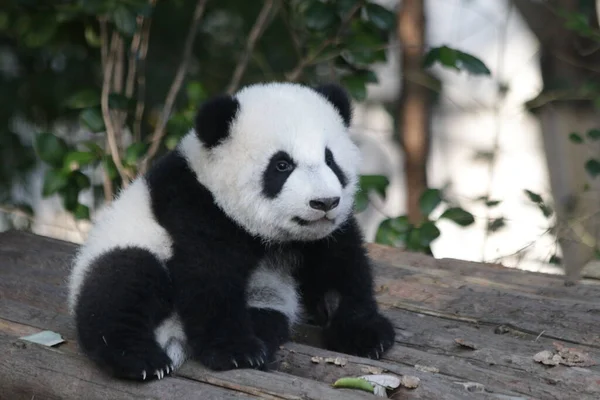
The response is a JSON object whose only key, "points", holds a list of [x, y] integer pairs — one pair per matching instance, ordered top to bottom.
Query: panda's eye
{"points": [[283, 166]]}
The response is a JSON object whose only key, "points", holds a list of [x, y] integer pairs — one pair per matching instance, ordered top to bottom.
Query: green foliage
{"points": [[57, 49], [455, 59], [540, 203], [399, 231]]}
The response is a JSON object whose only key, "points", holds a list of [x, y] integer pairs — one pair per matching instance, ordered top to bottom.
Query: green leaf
{"points": [[344, 6], [319, 16], [380, 16], [125, 20], [91, 37], [448, 57], [455, 59], [472, 64], [356, 86], [195, 92], [83, 99], [118, 101], [92, 119], [594, 134], [575, 138], [94, 148], [51, 149], [134, 152], [76, 159], [592, 166], [110, 167], [54, 180], [80, 180], [379, 183], [70, 194], [534, 197], [429, 200], [361, 201], [546, 210], [82, 212], [458, 216], [400, 224], [496, 224], [428, 232], [389, 236], [413, 241]]}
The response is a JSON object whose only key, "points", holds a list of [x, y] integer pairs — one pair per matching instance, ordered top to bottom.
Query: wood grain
{"points": [[505, 315]]}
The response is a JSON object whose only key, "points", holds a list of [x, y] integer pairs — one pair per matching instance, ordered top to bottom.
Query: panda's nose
{"points": [[325, 203]]}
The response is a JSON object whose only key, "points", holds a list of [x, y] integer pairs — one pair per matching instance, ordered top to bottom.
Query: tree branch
{"points": [[256, 32], [295, 74], [141, 80], [110, 128], [159, 131]]}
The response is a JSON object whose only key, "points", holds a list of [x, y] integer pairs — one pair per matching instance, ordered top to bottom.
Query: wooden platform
{"points": [[502, 317]]}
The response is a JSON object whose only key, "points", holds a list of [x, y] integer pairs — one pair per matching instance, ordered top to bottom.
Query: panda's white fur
{"points": [[273, 117], [127, 221]]}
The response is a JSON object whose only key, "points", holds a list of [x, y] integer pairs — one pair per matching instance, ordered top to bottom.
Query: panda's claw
{"points": [[235, 363], [144, 375]]}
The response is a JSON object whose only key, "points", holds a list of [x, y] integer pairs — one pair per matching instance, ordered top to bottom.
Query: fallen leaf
{"points": [[46, 338], [464, 343], [546, 357], [573, 357], [316, 359], [340, 361], [425, 368], [372, 370], [387, 381], [410, 382], [354, 383], [475, 387]]}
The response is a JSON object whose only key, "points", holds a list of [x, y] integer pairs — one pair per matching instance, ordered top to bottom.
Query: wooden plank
{"points": [[431, 302], [29, 371]]}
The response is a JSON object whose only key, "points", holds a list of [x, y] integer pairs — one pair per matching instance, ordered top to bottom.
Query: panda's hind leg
{"points": [[125, 297], [273, 303]]}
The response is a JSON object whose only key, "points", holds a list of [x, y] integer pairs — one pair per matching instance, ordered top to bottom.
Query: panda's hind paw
{"points": [[249, 352]]}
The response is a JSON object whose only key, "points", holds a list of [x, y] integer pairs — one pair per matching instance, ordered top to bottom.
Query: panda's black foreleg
{"points": [[337, 285], [125, 296], [212, 306], [272, 327]]}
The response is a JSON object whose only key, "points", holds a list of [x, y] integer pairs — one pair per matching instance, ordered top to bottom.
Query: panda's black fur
{"points": [[128, 291]]}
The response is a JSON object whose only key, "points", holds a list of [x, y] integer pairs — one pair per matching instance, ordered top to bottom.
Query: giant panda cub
{"points": [[215, 251]]}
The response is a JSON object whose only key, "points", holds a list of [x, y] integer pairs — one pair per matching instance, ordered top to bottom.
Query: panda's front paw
{"points": [[364, 337], [235, 352]]}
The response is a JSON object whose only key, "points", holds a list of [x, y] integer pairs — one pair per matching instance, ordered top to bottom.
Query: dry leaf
{"points": [[46, 338], [464, 343], [547, 357], [573, 357], [316, 359], [340, 361], [425, 368], [372, 370], [410, 382]]}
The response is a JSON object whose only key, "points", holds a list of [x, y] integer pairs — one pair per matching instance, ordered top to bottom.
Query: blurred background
{"points": [[479, 120]]}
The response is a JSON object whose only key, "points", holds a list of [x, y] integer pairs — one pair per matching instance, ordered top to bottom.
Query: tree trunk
{"points": [[568, 63], [414, 109]]}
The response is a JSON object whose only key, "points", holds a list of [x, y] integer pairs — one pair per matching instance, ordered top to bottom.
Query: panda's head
{"points": [[278, 158]]}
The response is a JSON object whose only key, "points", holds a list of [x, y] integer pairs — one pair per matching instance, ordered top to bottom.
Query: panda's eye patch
{"points": [[329, 158], [283, 166]]}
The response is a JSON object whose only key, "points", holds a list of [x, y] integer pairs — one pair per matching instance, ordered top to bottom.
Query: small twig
{"points": [[256, 32], [103, 41], [133, 55], [296, 73], [141, 80], [110, 128], [159, 131], [107, 184], [16, 211], [539, 336]]}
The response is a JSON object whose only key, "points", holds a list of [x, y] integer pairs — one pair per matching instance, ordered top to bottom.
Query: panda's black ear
{"points": [[339, 98], [214, 118]]}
